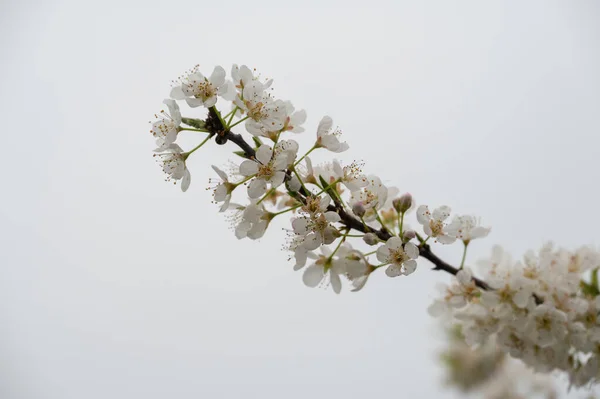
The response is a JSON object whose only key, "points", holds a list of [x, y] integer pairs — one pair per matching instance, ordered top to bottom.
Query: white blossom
{"points": [[198, 90], [165, 129], [328, 138], [173, 164], [268, 167], [222, 191], [433, 224], [466, 228], [400, 256]]}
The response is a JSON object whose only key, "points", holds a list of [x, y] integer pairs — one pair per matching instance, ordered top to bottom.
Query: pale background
{"points": [[115, 284]]}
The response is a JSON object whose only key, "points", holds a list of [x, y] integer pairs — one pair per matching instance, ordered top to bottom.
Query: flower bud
{"points": [[403, 203], [359, 209], [409, 235], [370, 239]]}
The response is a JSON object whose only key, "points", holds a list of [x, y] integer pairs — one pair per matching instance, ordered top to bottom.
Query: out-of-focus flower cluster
{"points": [[345, 224], [538, 309], [487, 372]]}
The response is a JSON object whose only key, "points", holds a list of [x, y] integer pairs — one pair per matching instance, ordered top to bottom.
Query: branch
{"points": [[215, 126]]}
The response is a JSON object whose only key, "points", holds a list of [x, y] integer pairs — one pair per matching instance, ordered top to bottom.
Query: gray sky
{"points": [[115, 284]]}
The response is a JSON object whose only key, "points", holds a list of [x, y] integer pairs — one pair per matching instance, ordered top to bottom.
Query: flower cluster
{"points": [[346, 224], [538, 310]]}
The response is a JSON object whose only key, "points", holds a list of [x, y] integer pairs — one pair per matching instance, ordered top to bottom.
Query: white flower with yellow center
{"points": [[198, 90], [264, 113], [166, 127], [329, 139], [172, 161], [267, 167], [434, 224], [467, 228], [401, 257], [326, 270]]}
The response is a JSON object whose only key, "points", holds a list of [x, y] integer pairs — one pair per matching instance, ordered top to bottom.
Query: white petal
{"points": [[217, 78], [177, 93], [194, 102], [324, 126], [264, 153], [248, 168], [221, 174], [277, 179], [186, 180], [294, 184], [257, 187], [441, 213], [423, 215], [332, 217], [300, 225], [479, 232], [443, 239], [312, 241], [394, 243], [411, 250], [383, 254], [409, 267], [393, 271], [313, 275], [335, 281]]}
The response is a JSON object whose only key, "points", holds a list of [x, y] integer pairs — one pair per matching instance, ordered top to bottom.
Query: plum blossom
{"points": [[198, 90], [264, 113], [165, 129], [328, 139], [172, 161], [268, 167], [222, 191], [373, 197], [254, 222], [433, 224], [314, 226], [466, 228], [400, 256], [326, 267]]}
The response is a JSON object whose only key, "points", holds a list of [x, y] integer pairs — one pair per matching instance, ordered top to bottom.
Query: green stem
{"points": [[216, 111], [231, 117], [238, 122], [193, 130], [187, 154], [305, 155], [299, 179], [328, 187], [265, 196], [287, 210], [401, 222], [339, 245], [370, 253], [462, 262]]}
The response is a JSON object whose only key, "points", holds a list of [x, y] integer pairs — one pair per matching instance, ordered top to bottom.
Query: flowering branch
{"points": [[541, 310]]}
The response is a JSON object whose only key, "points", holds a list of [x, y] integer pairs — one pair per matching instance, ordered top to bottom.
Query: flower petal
{"points": [[313, 275]]}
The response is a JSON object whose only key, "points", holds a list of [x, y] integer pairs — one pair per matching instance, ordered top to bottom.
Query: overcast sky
{"points": [[116, 284]]}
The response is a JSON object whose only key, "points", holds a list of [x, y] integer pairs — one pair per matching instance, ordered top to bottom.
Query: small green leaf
{"points": [[197, 123]]}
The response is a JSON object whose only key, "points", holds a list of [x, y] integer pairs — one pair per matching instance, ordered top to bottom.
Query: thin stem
{"points": [[232, 115], [238, 122], [193, 130], [187, 154], [304, 156], [300, 180], [328, 187], [265, 196], [286, 210], [401, 223], [339, 244], [370, 253], [462, 262]]}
